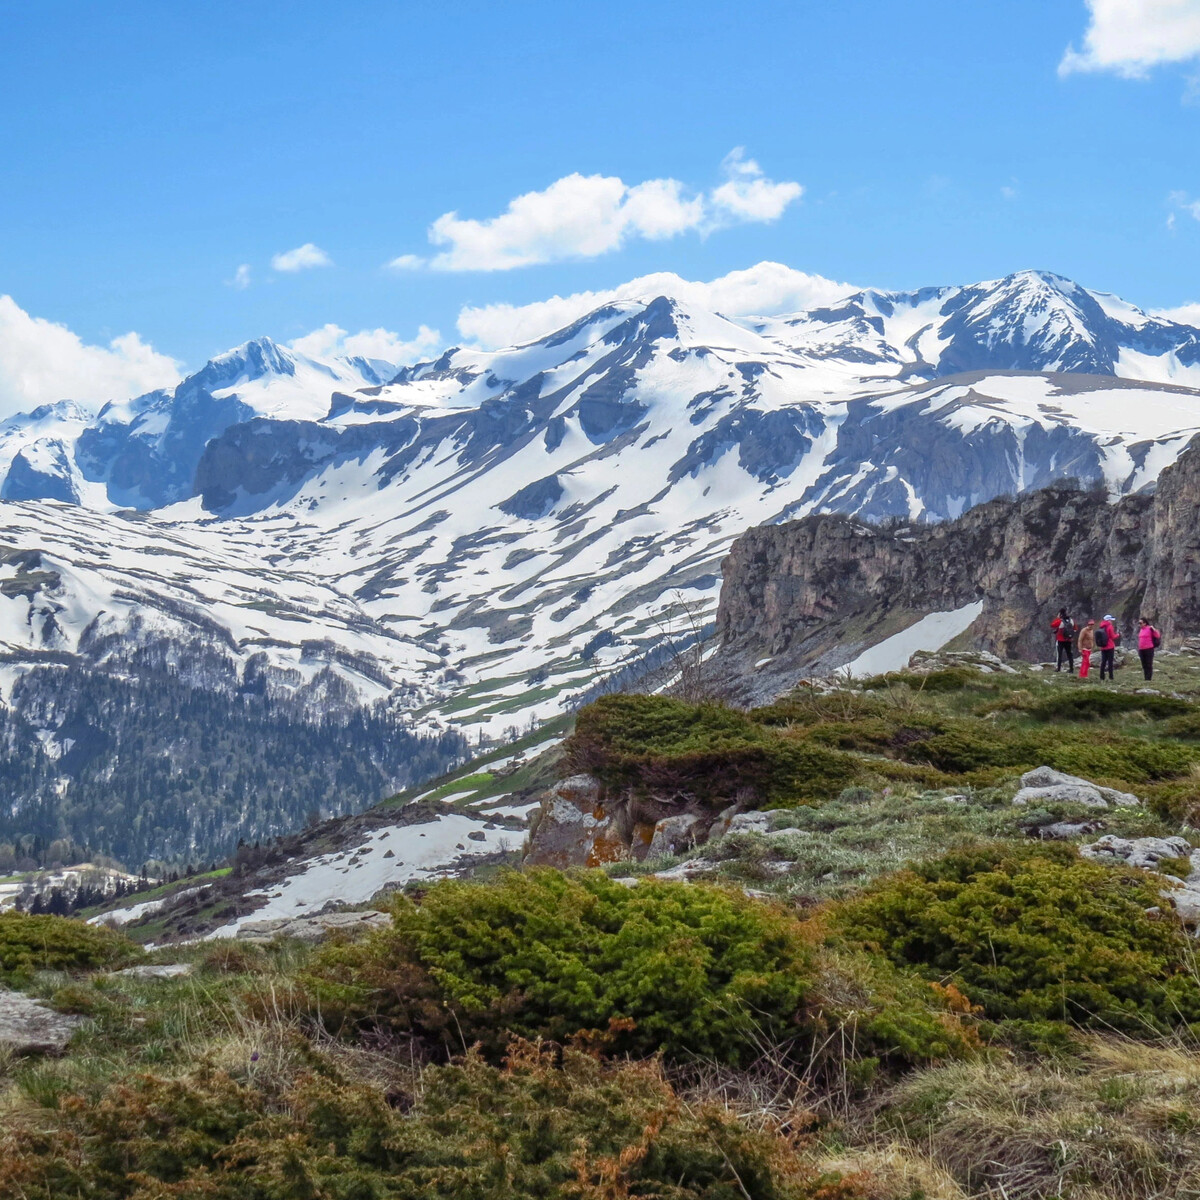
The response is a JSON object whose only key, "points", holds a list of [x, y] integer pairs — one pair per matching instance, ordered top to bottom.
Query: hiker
{"points": [[1064, 635], [1107, 637], [1149, 640], [1087, 643]]}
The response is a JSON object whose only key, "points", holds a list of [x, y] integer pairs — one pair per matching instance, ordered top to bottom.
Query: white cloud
{"points": [[1132, 36], [747, 195], [1180, 202], [584, 216], [301, 259], [407, 262], [241, 278], [767, 288], [1185, 314], [330, 341], [41, 362]]}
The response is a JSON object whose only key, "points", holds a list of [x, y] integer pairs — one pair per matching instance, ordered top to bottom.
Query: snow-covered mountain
{"points": [[142, 453], [480, 539]]}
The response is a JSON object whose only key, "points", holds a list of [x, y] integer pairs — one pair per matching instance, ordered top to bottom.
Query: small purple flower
{"points": [[254, 1056]]}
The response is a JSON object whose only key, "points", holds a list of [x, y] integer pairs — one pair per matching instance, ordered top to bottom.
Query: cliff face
{"points": [[811, 594]]}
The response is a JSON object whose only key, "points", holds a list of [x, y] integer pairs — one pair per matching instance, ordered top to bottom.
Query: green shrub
{"points": [[949, 679], [1090, 703], [1187, 726], [662, 746], [962, 747], [1034, 934], [30, 943], [678, 968], [685, 969], [474, 1132]]}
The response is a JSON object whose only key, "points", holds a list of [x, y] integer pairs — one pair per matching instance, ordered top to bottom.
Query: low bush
{"points": [[948, 679], [1092, 703], [1186, 726], [961, 747], [706, 752], [1035, 934], [35, 942], [686, 970], [534, 1128]]}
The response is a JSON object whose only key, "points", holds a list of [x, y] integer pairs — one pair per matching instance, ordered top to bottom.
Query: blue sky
{"points": [[151, 150]]}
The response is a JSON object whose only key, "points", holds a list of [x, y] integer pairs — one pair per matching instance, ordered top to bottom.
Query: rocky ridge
{"points": [[808, 596]]}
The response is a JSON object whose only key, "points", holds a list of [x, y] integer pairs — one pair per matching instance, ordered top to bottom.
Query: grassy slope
{"points": [[1102, 1119]]}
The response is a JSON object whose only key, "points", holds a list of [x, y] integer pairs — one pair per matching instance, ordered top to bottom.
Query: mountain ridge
{"points": [[481, 539]]}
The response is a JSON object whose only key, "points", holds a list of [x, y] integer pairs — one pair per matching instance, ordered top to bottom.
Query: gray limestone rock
{"points": [[1044, 785], [750, 822], [1063, 831], [672, 835], [1137, 852], [311, 929], [151, 971], [28, 1026]]}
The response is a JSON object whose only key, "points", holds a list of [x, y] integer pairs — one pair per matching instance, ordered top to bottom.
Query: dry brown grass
{"points": [[1120, 1122]]}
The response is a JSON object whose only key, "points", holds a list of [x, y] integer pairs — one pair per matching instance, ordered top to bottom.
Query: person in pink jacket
{"points": [[1107, 637], [1148, 641]]}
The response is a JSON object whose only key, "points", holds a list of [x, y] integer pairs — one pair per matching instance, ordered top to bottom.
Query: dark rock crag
{"points": [[809, 595]]}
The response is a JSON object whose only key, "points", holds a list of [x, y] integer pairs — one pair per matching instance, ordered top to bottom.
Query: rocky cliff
{"points": [[809, 595]]}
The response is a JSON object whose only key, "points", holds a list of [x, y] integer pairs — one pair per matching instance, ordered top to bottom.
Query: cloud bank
{"points": [[1130, 37], [585, 216], [768, 288], [330, 341], [41, 362]]}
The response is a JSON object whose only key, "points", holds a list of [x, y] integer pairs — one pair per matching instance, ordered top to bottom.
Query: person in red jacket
{"points": [[1064, 635], [1107, 638], [1148, 641], [1087, 643]]}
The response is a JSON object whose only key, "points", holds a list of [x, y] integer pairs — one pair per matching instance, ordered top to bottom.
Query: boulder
{"points": [[1044, 785], [750, 822], [575, 827], [1064, 831], [673, 835], [1137, 852], [311, 929], [153, 971], [28, 1026]]}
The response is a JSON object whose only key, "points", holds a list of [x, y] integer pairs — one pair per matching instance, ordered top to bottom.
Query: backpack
{"points": [[1065, 631], [1155, 637], [1103, 641]]}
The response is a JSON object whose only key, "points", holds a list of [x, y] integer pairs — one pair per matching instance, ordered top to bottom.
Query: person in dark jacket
{"points": [[1064, 635], [1107, 638], [1148, 641]]}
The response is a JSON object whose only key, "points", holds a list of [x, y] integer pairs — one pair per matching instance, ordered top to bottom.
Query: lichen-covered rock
{"points": [[1044, 785], [575, 828], [1143, 852], [28, 1026]]}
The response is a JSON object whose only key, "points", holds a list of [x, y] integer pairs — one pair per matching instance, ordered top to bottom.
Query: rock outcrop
{"points": [[810, 594], [1044, 785], [1154, 854], [28, 1026]]}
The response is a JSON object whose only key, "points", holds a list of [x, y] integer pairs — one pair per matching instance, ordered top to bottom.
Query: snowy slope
{"points": [[484, 538]]}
